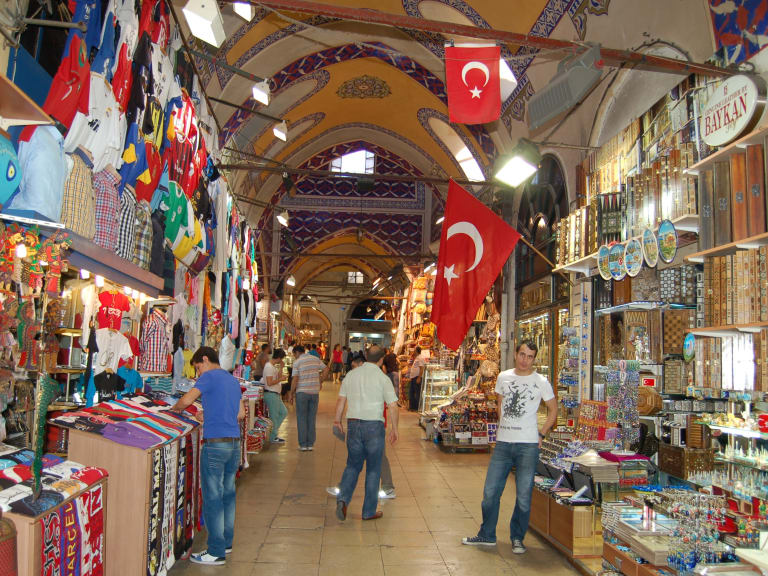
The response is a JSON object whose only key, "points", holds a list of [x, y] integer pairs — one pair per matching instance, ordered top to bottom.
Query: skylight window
{"points": [[359, 162], [469, 165], [355, 278]]}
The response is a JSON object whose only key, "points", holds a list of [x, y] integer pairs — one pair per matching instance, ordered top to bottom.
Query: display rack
{"points": [[439, 385]]}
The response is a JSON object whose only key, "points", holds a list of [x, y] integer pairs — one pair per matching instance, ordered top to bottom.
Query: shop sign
{"points": [[734, 108]]}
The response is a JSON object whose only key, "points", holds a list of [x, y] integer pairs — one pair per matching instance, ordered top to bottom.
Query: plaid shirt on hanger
{"points": [[107, 206], [77, 207], [126, 235], [143, 250], [153, 348]]}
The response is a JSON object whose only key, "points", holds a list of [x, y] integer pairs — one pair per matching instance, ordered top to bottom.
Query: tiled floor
{"points": [[286, 523]]}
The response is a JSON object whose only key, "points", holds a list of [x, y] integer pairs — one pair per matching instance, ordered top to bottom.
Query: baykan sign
{"points": [[733, 109]]}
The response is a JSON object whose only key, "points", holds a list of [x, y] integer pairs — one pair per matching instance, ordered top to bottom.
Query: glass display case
{"points": [[439, 385]]}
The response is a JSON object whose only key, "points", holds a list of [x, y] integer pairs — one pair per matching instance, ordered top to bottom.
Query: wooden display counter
{"points": [[574, 530], [29, 533]]}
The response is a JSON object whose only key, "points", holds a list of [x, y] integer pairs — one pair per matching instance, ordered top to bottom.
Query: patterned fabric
{"points": [[107, 206], [77, 207], [126, 235], [143, 235], [154, 344], [170, 457], [153, 534], [179, 535], [69, 540], [50, 551]]}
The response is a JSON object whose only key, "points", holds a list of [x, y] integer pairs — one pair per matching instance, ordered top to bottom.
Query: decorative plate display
{"points": [[667, 236], [650, 248], [603, 255], [633, 257], [616, 262], [689, 347]]}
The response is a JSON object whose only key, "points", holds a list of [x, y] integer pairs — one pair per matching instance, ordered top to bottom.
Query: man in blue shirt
{"points": [[222, 402]]}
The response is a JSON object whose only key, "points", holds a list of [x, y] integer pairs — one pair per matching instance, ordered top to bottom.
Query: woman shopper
{"points": [[336, 364], [272, 378]]}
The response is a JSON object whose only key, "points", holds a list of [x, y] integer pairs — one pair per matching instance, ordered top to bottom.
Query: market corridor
{"points": [[286, 523]]}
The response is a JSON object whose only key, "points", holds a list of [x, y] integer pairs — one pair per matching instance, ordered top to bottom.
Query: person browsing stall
{"points": [[272, 380], [223, 408]]}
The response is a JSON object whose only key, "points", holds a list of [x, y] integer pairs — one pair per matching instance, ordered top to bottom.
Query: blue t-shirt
{"points": [[220, 394]]}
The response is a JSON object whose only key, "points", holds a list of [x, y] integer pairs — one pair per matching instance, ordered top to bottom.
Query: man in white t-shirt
{"points": [[416, 376], [519, 392]]}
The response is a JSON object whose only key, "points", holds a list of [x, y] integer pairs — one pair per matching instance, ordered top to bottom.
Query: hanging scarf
{"points": [[50, 526], [153, 533], [179, 534]]}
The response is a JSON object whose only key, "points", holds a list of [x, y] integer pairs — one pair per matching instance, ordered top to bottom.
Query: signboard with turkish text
{"points": [[732, 110]]}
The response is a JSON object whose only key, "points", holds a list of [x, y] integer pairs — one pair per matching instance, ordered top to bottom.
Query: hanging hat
{"points": [[10, 172]]}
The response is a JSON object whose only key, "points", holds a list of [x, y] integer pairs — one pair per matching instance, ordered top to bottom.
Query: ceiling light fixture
{"points": [[244, 10], [205, 21], [261, 89], [281, 131], [520, 165], [283, 218], [439, 220], [21, 250], [428, 268], [84, 274], [99, 280], [291, 281], [379, 314]]}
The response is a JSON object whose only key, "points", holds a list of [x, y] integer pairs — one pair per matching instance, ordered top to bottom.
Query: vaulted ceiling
{"points": [[343, 86]]}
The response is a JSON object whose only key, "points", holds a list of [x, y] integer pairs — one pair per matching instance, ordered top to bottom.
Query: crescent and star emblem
{"points": [[475, 66], [469, 230]]}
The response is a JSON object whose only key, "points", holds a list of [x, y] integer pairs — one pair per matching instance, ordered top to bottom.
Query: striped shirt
{"points": [[77, 207], [107, 208], [307, 369]]}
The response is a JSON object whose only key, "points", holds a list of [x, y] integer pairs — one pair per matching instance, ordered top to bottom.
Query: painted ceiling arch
{"points": [[342, 264]]}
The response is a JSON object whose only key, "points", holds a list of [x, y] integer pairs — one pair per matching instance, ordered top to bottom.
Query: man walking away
{"points": [[345, 359], [392, 369], [309, 372], [273, 376], [416, 376], [367, 390], [519, 391], [220, 394]]}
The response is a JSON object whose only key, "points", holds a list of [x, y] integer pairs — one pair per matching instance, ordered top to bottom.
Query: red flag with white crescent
{"points": [[473, 84], [474, 246]]}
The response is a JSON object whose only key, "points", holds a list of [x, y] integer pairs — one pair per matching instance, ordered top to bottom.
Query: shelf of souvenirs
{"points": [[724, 154], [749, 243], [588, 264], [644, 305], [729, 330], [735, 431]]}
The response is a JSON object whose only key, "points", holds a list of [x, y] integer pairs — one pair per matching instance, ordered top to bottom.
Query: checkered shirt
{"points": [[77, 206], [107, 208], [126, 234], [143, 235], [153, 349]]}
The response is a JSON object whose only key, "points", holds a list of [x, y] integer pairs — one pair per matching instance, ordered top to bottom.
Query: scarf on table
{"points": [[70, 542], [50, 550]]}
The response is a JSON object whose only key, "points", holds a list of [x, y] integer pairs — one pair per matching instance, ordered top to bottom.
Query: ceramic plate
{"points": [[667, 237], [650, 248], [603, 255], [633, 257], [616, 262], [689, 347]]}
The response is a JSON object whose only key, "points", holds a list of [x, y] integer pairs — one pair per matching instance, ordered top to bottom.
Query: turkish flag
{"points": [[473, 84], [474, 246]]}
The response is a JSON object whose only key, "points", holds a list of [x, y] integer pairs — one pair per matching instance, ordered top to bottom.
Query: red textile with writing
{"points": [[111, 308]]}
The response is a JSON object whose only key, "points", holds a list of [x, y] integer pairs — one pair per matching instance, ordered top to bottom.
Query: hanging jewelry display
{"points": [[622, 381]]}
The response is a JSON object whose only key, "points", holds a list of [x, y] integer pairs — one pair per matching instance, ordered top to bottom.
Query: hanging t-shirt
{"points": [[70, 87], [111, 308], [113, 347], [520, 400]]}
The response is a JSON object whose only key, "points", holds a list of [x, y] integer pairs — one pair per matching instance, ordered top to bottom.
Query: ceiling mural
{"points": [[740, 26], [364, 87]]}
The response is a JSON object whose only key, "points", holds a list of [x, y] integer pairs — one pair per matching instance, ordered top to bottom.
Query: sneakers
{"points": [[278, 441], [309, 448], [303, 449], [333, 490], [387, 494], [341, 510], [478, 541], [518, 547], [228, 550], [207, 559]]}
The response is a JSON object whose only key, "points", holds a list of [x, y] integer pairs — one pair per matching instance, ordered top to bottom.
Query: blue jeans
{"points": [[277, 411], [306, 414], [365, 444], [506, 455], [218, 465]]}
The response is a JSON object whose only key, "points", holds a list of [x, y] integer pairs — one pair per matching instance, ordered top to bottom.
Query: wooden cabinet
{"points": [[130, 478], [572, 529], [29, 536]]}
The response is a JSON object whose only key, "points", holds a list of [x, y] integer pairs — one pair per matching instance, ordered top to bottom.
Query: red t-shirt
{"points": [[111, 309], [337, 356]]}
